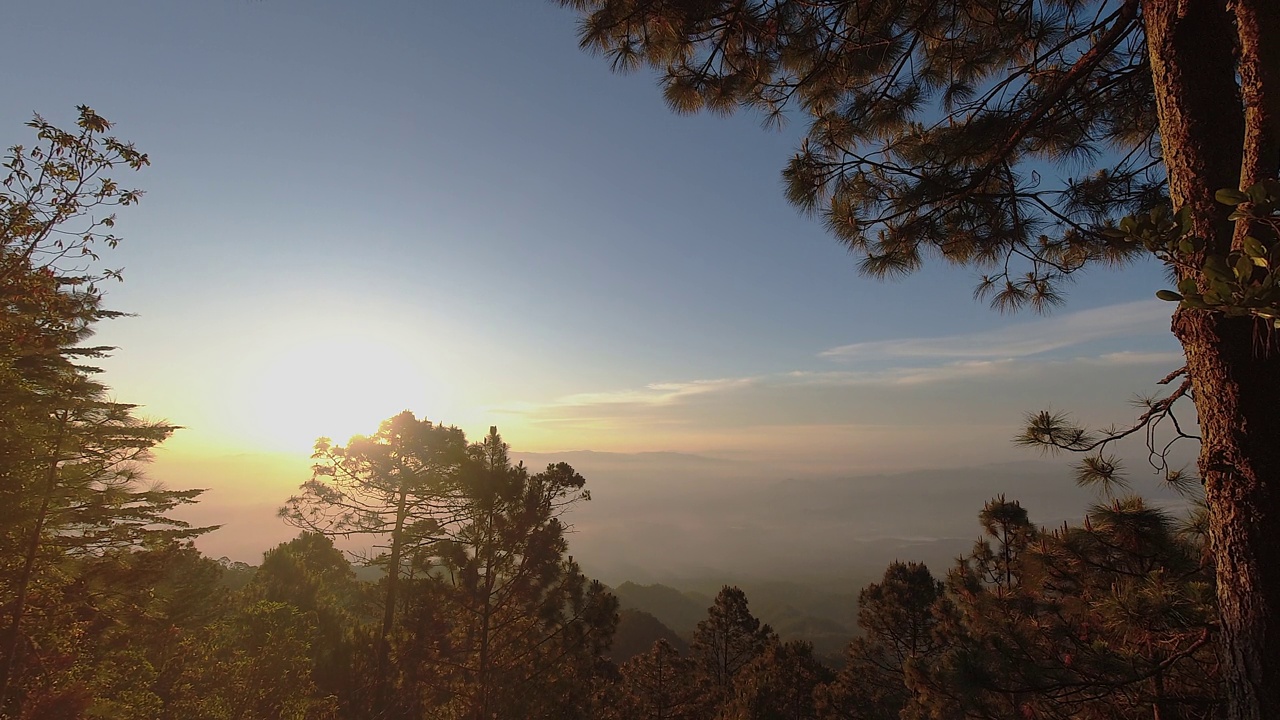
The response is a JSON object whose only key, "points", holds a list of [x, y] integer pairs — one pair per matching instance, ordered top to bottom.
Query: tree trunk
{"points": [[1235, 372], [1237, 390], [14, 635], [382, 699]]}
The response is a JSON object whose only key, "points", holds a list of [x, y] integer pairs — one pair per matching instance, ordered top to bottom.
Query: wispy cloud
{"points": [[1021, 339], [1139, 358], [905, 376], [656, 394], [671, 395]]}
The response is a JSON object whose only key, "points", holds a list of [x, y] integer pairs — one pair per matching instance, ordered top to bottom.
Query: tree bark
{"points": [[1235, 377], [1238, 393]]}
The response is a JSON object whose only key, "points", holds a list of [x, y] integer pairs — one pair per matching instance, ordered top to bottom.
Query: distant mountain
{"points": [[596, 457], [787, 607], [673, 608], [637, 632]]}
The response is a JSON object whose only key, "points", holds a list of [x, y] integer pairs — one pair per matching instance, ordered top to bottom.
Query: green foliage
{"points": [[1241, 282], [71, 457], [395, 486], [313, 577], [483, 612], [518, 629], [254, 665]]}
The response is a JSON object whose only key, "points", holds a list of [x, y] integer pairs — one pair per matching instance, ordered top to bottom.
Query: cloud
{"points": [[1021, 339], [1139, 358], [907, 375], [657, 394], [670, 400]]}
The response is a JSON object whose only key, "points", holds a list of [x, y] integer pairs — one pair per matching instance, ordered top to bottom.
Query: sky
{"points": [[356, 208]]}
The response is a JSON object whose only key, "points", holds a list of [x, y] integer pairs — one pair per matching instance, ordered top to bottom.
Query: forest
{"points": [[432, 577]]}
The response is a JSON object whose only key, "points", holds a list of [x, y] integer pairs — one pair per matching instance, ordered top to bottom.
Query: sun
{"points": [[334, 387]]}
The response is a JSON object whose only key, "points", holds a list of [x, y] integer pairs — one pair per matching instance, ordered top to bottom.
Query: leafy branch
{"points": [[1243, 282]]}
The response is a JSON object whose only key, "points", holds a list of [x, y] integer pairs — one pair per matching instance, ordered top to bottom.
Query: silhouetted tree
{"points": [[70, 457], [396, 487], [898, 625], [519, 629], [724, 643], [656, 685], [778, 685]]}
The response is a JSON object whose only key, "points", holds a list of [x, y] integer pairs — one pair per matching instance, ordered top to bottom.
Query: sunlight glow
{"points": [[335, 387]]}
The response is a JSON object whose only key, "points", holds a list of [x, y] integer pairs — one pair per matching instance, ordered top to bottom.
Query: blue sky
{"points": [[357, 207]]}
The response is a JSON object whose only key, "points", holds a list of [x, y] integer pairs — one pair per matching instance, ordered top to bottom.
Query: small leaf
{"points": [[1229, 196], [1183, 216], [1254, 247], [1215, 268], [1244, 268], [1169, 295]]}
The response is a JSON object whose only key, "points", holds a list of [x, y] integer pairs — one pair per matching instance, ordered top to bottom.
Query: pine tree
{"points": [[1033, 139], [395, 486], [311, 575], [1112, 620], [898, 625], [522, 628], [725, 643], [254, 664], [656, 685], [778, 685]]}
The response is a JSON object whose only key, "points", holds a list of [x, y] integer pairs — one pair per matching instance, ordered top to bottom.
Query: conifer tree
{"points": [[1033, 139], [70, 457], [396, 487], [311, 575], [132, 613], [1111, 620], [898, 625], [521, 629], [725, 643], [254, 664], [656, 685], [778, 685]]}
